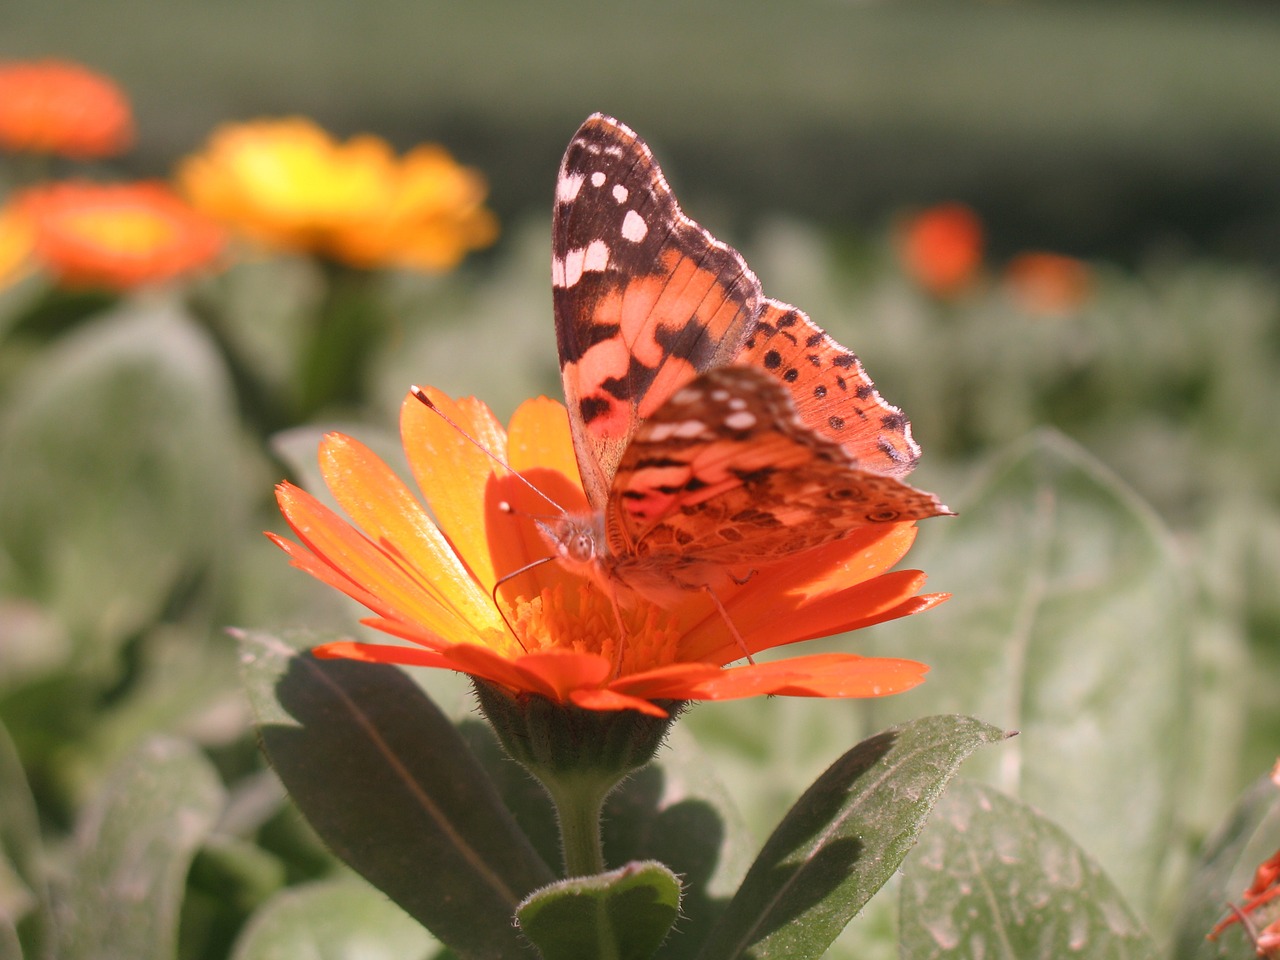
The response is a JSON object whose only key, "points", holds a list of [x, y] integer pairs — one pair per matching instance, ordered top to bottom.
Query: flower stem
{"points": [[579, 803]]}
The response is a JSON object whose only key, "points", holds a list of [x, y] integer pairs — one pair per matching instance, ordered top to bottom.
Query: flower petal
{"points": [[453, 473], [382, 506], [358, 567], [819, 675], [610, 700]]}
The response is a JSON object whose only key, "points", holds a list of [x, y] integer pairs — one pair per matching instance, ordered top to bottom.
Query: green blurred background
{"points": [[1094, 127], [1142, 137]]}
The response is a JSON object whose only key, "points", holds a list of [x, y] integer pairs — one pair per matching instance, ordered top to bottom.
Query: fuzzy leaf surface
{"points": [[843, 839]]}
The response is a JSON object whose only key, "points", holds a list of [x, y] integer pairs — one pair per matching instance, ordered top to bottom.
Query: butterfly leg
{"points": [[498, 604], [724, 614], [622, 631]]}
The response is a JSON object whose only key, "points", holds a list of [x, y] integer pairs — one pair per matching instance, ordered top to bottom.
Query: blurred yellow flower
{"points": [[288, 184]]}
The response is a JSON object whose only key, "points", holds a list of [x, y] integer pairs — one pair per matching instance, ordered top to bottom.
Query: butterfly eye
{"points": [[580, 548]]}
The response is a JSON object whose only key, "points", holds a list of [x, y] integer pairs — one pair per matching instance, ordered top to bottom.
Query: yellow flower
{"points": [[289, 185]]}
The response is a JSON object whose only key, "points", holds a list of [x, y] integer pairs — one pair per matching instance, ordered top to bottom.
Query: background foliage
{"points": [[1116, 466]]}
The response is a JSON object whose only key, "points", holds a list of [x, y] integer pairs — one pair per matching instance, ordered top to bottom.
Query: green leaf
{"points": [[118, 467], [1069, 623], [387, 782], [843, 839], [134, 844], [1225, 868], [991, 877], [22, 887], [621, 915], [342, 919]]}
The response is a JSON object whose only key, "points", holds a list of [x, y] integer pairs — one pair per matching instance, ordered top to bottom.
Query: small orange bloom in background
{"points": [[52, 106], [289, 185], [116, 235], [941, 248], [1048, 284], [428, 574]]}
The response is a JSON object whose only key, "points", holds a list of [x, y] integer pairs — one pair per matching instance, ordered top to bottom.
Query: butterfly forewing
{"points": [[645, 299]]}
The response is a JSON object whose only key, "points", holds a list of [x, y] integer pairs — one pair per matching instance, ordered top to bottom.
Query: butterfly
{"points": [[716, 430]]}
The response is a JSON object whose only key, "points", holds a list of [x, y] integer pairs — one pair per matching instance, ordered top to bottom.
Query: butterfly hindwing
{"points": [[726, 473]]}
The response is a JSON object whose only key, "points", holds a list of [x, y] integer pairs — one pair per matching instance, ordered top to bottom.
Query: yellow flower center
{"points": [[122, 231], [583, 620]]}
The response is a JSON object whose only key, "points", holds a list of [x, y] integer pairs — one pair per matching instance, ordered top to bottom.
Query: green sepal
{"points": [[566, 742], [843, 839], [624, 914]]}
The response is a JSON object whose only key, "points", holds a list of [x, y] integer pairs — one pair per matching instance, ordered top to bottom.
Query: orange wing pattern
{"points": [[645, 299], [832, 393], [715, 429], [725, 475]]}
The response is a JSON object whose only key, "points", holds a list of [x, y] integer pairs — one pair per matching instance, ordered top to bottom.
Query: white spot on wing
{"points": [[597, 179], [567, 187], [620, 193], [633, 227], [596, 256], [567, 272], [686, 396], [742, 420]]}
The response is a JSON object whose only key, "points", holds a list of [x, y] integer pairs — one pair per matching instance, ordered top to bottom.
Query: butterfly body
{"points": [[716, 430]]}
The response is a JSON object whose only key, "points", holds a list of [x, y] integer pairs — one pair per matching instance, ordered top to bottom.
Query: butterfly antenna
{"points": [[421, 395]]}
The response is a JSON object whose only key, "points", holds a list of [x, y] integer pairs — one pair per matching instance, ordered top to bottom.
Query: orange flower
{"points": [[51, 106], [289, 185], [118, 235], [16, 243], [941, 248], [1048, 284], [431, 582]]}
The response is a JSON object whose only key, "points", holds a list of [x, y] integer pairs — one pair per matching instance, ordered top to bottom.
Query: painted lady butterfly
{"points": [[716, 430]]}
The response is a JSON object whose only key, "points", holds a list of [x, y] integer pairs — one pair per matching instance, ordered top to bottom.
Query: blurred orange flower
{"points": [[51, 106], [289, 185], [116, 235], [17, 241], [941, 248], [1048, 284], [429, 573]]}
